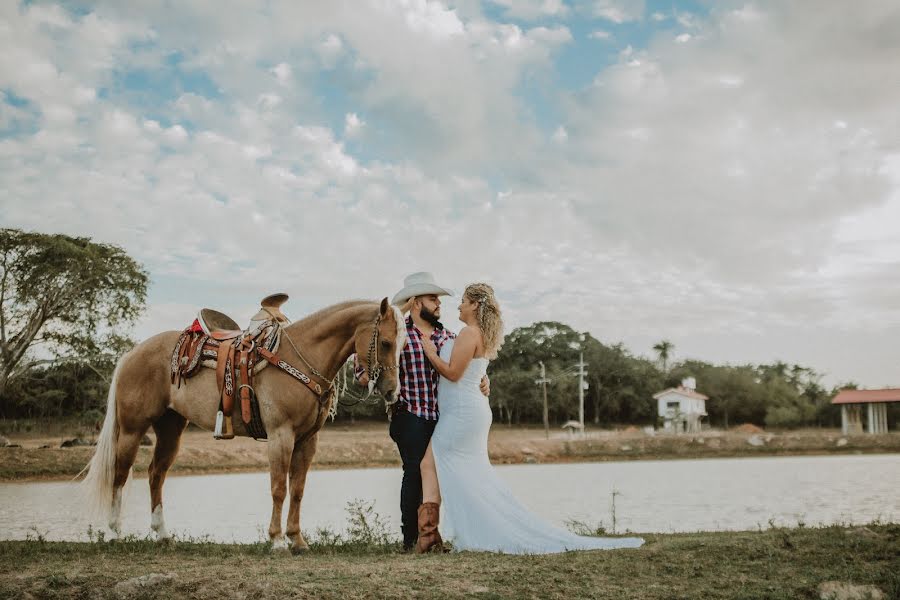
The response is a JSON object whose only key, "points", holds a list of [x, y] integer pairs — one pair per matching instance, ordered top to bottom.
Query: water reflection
{"points": [[652, 496]]}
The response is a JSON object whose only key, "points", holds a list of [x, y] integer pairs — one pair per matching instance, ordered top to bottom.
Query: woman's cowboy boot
{"points": [[429, 537]]}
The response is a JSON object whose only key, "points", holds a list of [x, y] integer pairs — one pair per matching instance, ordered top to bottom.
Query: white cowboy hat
{"points": [[419, 284]]}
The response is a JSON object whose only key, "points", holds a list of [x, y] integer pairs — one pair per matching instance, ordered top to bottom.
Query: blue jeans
{"points": [[411, 434]]}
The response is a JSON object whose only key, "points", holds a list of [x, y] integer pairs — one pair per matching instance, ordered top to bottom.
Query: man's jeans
{"points": [[411, 434]]}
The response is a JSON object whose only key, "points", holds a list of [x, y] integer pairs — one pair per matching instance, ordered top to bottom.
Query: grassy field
{"points": [[368, 445], [773, 563]]}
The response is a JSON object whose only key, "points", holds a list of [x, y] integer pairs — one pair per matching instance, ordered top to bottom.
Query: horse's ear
{"points": [[385, 307]]}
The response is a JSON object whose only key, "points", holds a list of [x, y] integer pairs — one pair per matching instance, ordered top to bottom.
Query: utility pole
{"points": [[544, 381], [582, 385]]}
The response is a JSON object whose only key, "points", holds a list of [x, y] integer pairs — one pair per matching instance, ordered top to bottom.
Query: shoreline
{"points": [[367, 446], [202, 471]]}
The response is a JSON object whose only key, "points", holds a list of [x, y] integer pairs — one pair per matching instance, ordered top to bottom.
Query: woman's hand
{"points": [[429, 348]]}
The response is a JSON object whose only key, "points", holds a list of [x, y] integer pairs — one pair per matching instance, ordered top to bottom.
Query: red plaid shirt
{"points": [[418, 379]]}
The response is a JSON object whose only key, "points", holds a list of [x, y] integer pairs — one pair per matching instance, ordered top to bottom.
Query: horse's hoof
{"points": [[165, 541], [281, 546], [297, 549]]}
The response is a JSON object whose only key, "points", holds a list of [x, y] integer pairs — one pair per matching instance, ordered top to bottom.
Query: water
{"points": [[652, 496]]}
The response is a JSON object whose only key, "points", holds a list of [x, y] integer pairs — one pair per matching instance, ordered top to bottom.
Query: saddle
{"points": [[215, 340]]}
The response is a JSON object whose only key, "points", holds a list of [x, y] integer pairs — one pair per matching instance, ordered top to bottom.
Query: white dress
{"points": [[479, 510]]}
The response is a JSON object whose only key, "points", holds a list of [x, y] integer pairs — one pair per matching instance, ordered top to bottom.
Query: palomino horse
{"points": [[141, 396]]}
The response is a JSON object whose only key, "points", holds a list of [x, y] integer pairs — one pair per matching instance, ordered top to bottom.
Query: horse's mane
{"points": [[334, 308]]}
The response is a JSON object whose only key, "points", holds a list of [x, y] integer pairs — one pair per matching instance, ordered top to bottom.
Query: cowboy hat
{"points": [[419, 284]]}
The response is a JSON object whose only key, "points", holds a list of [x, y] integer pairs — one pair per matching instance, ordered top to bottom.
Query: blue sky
{"points": [[723, 175]]}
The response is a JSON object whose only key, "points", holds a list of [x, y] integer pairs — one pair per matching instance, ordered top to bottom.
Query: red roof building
{"points": [[875, 402]]}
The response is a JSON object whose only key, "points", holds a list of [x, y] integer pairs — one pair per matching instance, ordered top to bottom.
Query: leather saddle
{"points": [[220, 326], [235, 353]]}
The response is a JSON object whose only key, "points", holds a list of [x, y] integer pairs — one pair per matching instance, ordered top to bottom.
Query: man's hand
{"points": [[363, 379], [486, 386]]}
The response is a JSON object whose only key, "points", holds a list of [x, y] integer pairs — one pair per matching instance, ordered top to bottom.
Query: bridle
{"points": [[373, 368]]}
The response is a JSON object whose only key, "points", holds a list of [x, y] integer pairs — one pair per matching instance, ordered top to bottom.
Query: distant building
{"points": [[873, 402], [681, 408]]}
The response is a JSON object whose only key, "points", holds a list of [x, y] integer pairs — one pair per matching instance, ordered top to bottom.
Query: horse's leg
{"points": [[168, 428], [281, 444], [126, 449], [301, 459]]}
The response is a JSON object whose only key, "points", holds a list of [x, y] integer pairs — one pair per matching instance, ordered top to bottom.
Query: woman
{"points": [[480, 511]]}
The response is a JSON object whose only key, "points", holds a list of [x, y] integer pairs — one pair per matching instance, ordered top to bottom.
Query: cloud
{"points": [[530, 10], [618, 11], [600, 35], [353, 125], [735, 193]]}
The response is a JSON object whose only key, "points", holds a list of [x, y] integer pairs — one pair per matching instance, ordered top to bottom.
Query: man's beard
{"points": [[431, 318]]}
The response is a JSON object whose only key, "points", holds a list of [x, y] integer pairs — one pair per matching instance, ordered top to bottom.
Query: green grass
{"points": [[773, 563]]}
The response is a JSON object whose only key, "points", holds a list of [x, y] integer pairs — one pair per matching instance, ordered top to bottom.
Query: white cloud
{"points": [[530, 10], [618, 11], [600, 35], [330, 50], [282, 72], [353, 125], [560, 135], [712, 192]]}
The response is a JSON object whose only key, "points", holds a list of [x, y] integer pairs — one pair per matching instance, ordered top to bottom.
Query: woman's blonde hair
{"points": [[490, 320]]}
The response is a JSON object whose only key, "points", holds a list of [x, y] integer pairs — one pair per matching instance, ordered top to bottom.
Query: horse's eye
{"points": [[385, 344]]}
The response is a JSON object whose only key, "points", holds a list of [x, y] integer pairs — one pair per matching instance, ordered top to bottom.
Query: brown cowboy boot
{"points": [[429, 536]]}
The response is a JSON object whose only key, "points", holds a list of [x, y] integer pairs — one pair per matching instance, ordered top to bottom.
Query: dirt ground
{"points": [[368, 445]]}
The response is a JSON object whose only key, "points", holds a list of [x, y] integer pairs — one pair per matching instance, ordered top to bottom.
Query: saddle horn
{"points": [[271, 309]]}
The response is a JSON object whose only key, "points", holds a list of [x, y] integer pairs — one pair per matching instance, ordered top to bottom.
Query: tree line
{"points": [[64, 302]]}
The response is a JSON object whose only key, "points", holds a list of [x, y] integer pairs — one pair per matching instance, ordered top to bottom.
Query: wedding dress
{"points": [[479, 510]]}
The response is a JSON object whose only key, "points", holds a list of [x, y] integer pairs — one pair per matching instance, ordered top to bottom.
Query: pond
{"points": [[650, 496]]}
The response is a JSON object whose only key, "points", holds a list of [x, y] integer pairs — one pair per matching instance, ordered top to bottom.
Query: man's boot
{"points": [[429, 537]]}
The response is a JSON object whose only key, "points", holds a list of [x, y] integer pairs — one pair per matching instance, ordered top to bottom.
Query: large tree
{"points": [[63, 297]]}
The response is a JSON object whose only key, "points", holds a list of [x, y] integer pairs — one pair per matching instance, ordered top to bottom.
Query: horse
{"points": [[142, 395]]}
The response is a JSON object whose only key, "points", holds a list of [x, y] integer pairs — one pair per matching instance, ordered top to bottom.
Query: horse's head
{"points": [[378, 347]]}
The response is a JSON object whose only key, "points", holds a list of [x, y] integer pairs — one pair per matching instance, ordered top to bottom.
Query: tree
{"points": [[67, 296], [664, 350]]}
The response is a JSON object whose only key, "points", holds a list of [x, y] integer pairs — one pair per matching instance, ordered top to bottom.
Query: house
{"points": [[875, 403], [681, 408]]}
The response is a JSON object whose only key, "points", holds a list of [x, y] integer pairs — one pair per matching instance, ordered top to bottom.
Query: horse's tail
{"points": [[101, 471]]}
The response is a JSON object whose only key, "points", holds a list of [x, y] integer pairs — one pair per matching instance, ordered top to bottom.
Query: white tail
{"points": [[98, 483]]}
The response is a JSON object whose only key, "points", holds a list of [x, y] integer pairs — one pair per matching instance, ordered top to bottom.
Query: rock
{"points": [[700, 440], [755, 440], [4, 441], [146, 441], [75, 442], [841, 442], [715, 443], [44, 447], [625, 448], [526, 450], [529, 459], [862, 532], [143, 585], [837, 590]]}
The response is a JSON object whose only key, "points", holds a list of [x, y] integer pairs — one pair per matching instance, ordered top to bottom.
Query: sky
{"points": [[724, 175]]}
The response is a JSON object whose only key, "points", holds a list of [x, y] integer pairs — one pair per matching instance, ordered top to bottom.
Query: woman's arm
{"points": [[463, 352]]}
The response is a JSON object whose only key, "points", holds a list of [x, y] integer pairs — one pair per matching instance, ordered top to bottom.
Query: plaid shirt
{"points": [[418, 379]]}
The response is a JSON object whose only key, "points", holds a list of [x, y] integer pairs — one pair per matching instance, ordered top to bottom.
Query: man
{"points": [[415, 413]]}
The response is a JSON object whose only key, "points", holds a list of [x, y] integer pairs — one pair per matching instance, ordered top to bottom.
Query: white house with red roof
{"points": [[873, 402], [682, 407]]}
